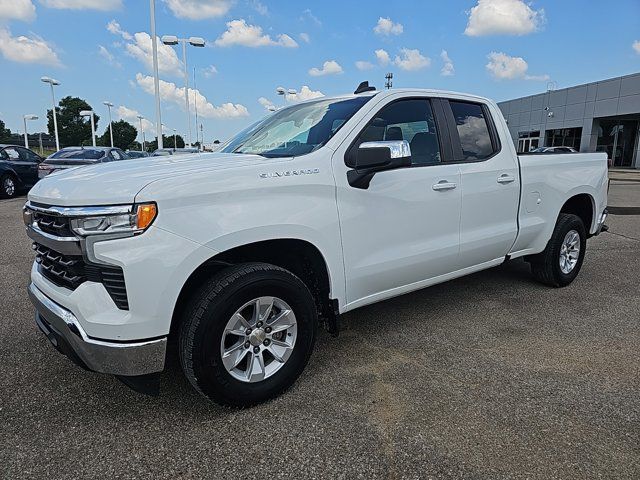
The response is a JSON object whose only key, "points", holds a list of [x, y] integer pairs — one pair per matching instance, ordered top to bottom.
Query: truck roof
{"points": [[408, 91]]}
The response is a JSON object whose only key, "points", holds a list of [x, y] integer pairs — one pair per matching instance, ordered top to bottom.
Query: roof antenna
{"points": [[364, 87]]}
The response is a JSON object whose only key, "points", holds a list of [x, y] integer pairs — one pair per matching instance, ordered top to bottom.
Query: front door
{"points": [[404, 228]]}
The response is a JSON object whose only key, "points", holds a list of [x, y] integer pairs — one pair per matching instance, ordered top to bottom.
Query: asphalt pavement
{"points": [[488, 376]]}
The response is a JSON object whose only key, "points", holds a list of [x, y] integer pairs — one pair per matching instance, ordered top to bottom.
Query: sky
{"points": [[100, 50]]}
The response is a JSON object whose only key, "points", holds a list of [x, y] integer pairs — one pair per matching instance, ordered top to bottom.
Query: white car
{"points": [[322, 207]]}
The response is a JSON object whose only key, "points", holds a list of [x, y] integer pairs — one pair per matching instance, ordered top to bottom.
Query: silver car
{"points": [[70, 157]]}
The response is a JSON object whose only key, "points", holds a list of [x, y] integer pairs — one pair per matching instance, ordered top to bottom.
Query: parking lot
{"points": [[488, 376]]}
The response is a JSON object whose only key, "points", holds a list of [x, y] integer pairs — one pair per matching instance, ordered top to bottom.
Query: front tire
{"points": [[560, 262], [247, 334]]}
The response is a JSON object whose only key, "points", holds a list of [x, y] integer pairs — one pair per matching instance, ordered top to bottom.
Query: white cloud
{"points": [[102, 5], [260, 7], [199, 9], [23, 10], [307, 14], [503, 17], [114, 27], [387, 27], [240, 33], [305, 37], [636, 46], [139, 47], [25, 49], [108, 56], [383, 57], [411, 60], [363, 65], [330, 67], [504, 67], [447, 69], [210, 71], [169, 92], [305, 93], [266, 103], [130, 115]]}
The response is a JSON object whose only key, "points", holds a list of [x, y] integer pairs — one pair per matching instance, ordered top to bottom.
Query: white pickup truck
{"points": [[320, 208]]}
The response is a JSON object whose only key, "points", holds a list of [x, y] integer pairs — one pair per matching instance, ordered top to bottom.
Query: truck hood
{"points": [[119, 182]]}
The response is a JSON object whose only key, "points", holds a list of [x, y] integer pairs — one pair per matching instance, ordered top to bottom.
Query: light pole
{"points": [[195, 42], [156, 78], [53, 82], [109, 105], [89, 113], [140, 117], [25, 118], [175, 139]]}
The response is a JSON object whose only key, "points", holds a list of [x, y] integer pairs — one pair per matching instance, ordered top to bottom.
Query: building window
{"points": [[563, 137], [527, 141]]}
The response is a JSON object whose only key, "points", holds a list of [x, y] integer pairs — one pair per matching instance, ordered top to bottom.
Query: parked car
{"points": [[554, 150], [163, 152], [137, 154], [70, 157], [18, 169], [321, 208]]}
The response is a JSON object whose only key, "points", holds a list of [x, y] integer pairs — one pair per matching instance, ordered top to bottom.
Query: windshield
{"points": [[295, 130], [80, 153]]}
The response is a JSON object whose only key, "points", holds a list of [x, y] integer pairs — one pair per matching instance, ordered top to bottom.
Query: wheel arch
{"points": [[584, 206], [300, 257]]}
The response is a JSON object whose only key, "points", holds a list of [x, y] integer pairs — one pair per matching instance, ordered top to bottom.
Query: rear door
{"points": [[31, 160], [490, 183]]}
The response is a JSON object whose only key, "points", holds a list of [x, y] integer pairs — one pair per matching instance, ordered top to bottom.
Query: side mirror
{"points": [[374, 157]]}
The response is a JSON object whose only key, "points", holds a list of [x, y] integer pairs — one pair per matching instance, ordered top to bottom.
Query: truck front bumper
{"points": [[129, 358]]}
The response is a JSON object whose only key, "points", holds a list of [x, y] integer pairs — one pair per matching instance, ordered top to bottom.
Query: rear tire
{"points": [[8, 186], [560, 262], [227, 364]]}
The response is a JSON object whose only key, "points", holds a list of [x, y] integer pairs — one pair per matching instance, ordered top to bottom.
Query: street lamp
{"points": [[195, 42], [156, 78], [53, 82], [284, 92], [109, 105], [89, 113], [140, 117], [25, 118], [175, 141]]}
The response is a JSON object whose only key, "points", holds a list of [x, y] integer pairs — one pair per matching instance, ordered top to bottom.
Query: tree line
{"points": [[75, 130]]}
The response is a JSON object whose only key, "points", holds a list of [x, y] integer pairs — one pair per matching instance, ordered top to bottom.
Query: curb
{"points": [[623, 210]]}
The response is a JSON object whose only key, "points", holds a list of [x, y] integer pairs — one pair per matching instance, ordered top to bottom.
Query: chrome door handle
{"points": [[506, 178], [444, 185]]}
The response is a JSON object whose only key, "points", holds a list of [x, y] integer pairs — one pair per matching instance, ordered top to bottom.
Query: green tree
{"points": [[73, 129], [5, 133], [124, 134], [167, 141]]}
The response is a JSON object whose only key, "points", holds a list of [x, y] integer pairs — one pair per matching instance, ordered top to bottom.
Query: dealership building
{"points": [[601, 116]]}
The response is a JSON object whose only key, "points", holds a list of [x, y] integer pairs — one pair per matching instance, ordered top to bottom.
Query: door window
{"points": [[410, 120], [473, 130], [12, 153], [116, 155], [28, 156]]}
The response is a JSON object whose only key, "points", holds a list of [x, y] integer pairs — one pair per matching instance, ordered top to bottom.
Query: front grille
{"points": [[52, 224], [64, 271], [70, 271]]}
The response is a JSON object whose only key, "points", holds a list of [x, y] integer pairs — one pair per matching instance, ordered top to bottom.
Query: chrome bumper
{"points": [[65, 333]]}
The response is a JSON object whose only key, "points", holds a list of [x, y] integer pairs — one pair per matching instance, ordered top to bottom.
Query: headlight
{"points": [[134, 221]]}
